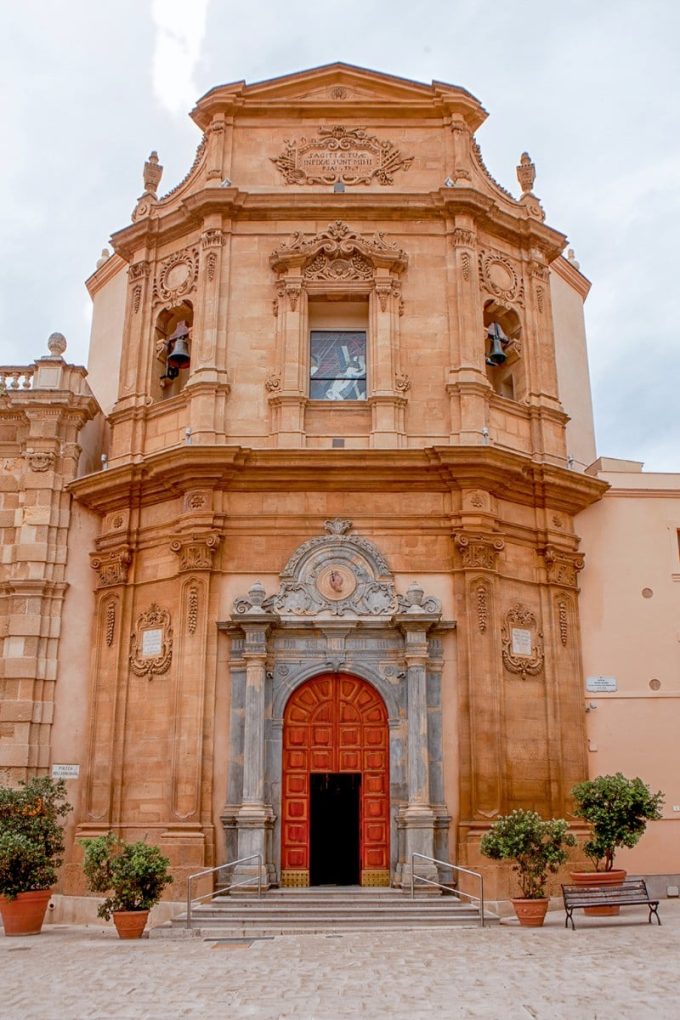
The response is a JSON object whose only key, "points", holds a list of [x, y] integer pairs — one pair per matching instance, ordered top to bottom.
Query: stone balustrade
{"points": [[16, 377]]}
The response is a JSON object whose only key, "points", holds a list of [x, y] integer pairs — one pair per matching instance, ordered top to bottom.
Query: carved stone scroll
{"points": [[562, 567]]}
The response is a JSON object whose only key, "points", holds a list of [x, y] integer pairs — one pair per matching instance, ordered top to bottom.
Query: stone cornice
{"points": [[506, 221], [104, 274], [570, 274], [169, 473]]}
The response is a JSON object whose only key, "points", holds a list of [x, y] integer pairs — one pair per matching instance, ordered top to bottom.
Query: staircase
{"points": [[323, 910]]}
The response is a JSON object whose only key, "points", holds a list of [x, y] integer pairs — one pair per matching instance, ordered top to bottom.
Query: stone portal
{"points": [[335, 673]]}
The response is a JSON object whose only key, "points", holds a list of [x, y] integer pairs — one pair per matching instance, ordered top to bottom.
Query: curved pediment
{"points": [[338, 241], [337, 575]]}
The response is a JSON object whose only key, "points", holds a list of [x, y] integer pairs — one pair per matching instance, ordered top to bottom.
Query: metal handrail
{"points": [[440, 885], [224, 888]]}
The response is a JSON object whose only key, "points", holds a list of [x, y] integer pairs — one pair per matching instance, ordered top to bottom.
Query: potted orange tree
{"points": [[617, 809], [537, 848], [31, 849], [135, 875]]}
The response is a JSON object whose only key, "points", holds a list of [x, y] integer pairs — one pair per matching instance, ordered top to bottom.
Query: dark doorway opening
{"points": [[334, 828]]}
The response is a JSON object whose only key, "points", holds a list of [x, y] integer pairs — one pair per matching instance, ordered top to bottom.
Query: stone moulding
{"points": [[340, 154], [154, 619]]}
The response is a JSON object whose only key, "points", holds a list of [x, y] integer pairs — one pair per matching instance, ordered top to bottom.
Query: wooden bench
{"points": [[632, 892]]}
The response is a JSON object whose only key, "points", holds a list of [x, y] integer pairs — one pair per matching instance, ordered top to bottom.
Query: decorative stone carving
{"points": [[342, 154], [479, 160], [153, 171], [526, 173], [213, 237], [463, 237], [338, 241], [211, 265], [466, 266], [356, 267], [139, 271], [177, 276], [499, 276], [136, 298], [540, 299], [56, 344], [272, 382], [402, 382], [39, 460], [197, 500], [478, 550], [196, 553], [112, 566], [562, 567], [336, 575], [482, 597], [415, 601], [192, 609], [562, 611], [110, 615], [151, 642], [522, 642]]}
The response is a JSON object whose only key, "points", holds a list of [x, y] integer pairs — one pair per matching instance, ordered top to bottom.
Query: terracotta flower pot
{"points": [[614, 877], [531, 913], [25, 914], [130, 924]]}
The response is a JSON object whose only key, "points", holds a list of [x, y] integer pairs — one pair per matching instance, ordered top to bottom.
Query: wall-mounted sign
{"points": [[521, 641], [152, 642], [601, 684], [65, 771]]}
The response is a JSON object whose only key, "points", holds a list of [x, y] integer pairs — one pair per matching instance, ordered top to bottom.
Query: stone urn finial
{"points": [[153, 172], [526, 173], [104, 257], [56, 344], [415, 593], [256, 594]]}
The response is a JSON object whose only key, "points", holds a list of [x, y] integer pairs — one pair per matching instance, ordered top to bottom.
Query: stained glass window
{"points": [[337, 365]]}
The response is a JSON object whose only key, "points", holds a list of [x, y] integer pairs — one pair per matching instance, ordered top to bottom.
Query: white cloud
{"points": [[180, 28]]}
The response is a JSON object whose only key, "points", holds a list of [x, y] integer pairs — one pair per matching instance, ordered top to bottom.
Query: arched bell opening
{"points": [[503, 333], [172, 348], [335, 804]]}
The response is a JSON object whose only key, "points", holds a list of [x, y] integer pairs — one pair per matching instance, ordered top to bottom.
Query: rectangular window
{"points": [[337, 364]]}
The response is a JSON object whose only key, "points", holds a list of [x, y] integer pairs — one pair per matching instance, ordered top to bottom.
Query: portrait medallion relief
{"points": [[336, 582]]}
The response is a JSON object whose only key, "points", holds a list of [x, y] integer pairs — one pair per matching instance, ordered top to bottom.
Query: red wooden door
{"points": [[335, 723]]}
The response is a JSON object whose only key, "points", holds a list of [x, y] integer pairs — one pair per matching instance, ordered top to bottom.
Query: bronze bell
{"points": [[178, 354], [497, 355]]}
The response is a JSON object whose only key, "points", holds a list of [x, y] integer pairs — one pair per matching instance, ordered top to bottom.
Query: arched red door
{"points": [[335, 725]]}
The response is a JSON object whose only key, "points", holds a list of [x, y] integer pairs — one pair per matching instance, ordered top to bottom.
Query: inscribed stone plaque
{"points": [[342, 154], [521, 641], [152, 642], [601, 684], [65, 771]]}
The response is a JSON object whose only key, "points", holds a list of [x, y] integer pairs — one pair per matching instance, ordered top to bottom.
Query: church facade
{"points": [[327, 500]]}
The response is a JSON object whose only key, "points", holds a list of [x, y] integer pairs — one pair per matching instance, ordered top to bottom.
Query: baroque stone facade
{"points": [[350, 491]]}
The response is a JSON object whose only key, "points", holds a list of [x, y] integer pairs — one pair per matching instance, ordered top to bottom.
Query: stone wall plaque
{"points": [[349, 155], [521, 641], [152, 642], [601, 684], [65, 771]]}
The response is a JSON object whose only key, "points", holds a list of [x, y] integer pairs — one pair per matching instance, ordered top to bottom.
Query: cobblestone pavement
{"points": [[606, 969]]}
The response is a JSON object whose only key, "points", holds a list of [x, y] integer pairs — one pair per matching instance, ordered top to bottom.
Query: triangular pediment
{"points": [[339, 84]]}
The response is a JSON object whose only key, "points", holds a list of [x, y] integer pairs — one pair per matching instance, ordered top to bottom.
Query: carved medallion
{"points": [[349, 155], [177, 275], [499, 275], [336, 582]]}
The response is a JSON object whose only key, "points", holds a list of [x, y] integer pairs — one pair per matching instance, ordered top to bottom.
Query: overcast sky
{"points": [[591, 89]]}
